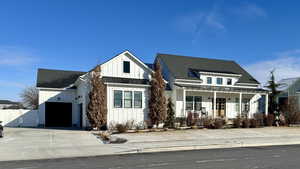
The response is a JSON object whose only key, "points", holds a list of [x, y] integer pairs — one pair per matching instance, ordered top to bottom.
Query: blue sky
{"points": [[77, 34]]}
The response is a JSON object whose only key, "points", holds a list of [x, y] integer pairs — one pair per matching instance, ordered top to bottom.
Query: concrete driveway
{"points": [[36, 143]]}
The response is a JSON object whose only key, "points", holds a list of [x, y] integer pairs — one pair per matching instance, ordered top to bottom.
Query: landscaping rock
{"points": [[117, 140]]}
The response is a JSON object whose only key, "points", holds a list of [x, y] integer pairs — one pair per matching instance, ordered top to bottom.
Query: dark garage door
{"points": [[58, 114]]}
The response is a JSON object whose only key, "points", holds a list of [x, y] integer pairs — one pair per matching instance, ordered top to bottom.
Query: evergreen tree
{"points": [[272, 86], [157, 100], [97, 108], [170, 114]]}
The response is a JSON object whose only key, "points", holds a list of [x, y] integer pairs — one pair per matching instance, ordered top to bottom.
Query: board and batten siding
{"points": [[114, 68], [65, 96], [123, 115]]}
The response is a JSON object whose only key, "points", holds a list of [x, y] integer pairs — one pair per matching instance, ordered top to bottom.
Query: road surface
{"points": [[277, 157]]}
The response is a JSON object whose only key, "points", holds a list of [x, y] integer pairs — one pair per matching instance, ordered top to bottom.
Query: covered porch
{"points": [[220, 102]]}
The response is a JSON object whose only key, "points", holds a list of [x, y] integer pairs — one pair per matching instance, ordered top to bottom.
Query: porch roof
{"points": [[222, 88]]}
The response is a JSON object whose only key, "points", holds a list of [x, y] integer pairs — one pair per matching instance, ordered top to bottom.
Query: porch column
{"points": [[184, 104], [215, 104], [267, 104], [240, 105]]}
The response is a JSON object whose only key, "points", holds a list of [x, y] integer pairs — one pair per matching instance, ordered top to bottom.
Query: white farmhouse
{"points": [[210, 87]]}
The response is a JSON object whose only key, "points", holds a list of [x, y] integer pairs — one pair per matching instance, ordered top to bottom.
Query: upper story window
{"points": [[126, 67], [209, 80], [219, 81], [229, 81]]}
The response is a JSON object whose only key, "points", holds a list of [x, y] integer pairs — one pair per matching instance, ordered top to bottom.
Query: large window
{"points": [[126, 67], [209, 80], [219, 81], [118, 96], [127, 99], [137, 99], [189, 102], [193, 103], [197, 103]]}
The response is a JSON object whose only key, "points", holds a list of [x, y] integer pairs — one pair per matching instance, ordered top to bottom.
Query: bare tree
{"points": [[30, 97], [157, 101], [97, 108]]}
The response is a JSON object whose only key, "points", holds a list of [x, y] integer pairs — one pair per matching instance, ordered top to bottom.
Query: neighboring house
{"points": [[289, 87], [215, 88], [4, 104]]}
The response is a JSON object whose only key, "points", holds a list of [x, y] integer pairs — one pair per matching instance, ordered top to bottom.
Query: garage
{"points": [[58, 114]]}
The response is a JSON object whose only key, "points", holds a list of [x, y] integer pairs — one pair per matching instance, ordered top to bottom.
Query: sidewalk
{"points": [[206, 139], [29, 144]]}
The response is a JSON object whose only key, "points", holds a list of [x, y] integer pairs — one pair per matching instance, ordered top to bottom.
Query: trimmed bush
{"points": [[259, 117], [270, 120], [208, 122], [237, 122], [218, 123], [245, 123], [254, 123], [121, 128]]}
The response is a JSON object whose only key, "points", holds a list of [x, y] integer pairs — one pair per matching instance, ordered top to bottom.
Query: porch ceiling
{"points": [[222, 89]]}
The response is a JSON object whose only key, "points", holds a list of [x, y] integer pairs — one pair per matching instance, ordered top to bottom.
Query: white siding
{"points": [[114, 68], [66, 96], [123, 115]]}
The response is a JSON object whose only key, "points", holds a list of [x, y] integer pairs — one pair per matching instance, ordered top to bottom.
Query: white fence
{"points": [[19, 118]]}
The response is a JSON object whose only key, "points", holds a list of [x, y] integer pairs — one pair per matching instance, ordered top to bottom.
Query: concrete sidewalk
{"points": [[28, 144]]}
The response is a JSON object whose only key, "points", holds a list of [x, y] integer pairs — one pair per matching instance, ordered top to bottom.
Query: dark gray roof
{"points": [[179, 66], [50, 78], [125, 80], [7, 102]]}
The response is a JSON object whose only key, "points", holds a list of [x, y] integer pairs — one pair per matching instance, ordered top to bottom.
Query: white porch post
{"points": [[184, 104], [215, 104], [267, 104], [240, 105]]}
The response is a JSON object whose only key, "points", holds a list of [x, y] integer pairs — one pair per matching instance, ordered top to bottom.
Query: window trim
{"points": [[124, 71], [219, 78], [210, 80], [228, 81], [131, 98], [118, 99], [141, 100]]}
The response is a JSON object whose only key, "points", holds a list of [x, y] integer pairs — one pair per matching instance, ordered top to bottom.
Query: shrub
{"points": [[170, 114], [259, 117], [192, 119], [181, 120], [270, 120], [208, 122], [237, 122], [218, 123], [245, 123], [254, 123], [121, 128]]}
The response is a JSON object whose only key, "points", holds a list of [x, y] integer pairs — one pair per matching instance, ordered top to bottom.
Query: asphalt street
{"points": [[275, 157]]}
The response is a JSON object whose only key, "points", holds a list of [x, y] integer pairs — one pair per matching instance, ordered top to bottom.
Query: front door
{"points": [[221, 107]]}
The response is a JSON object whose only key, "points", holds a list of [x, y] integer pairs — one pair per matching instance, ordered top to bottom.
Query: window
{"points": [[126, 67], [209, 80], [219, 81], [229, 81], [118, 98], [127, 99], [137, 99], [189, 102], [197, 103], [237, 104]]}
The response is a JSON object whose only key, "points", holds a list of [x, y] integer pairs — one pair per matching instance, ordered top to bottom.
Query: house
{"points": [[211, 87], [289, 87], [4, 104]]}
